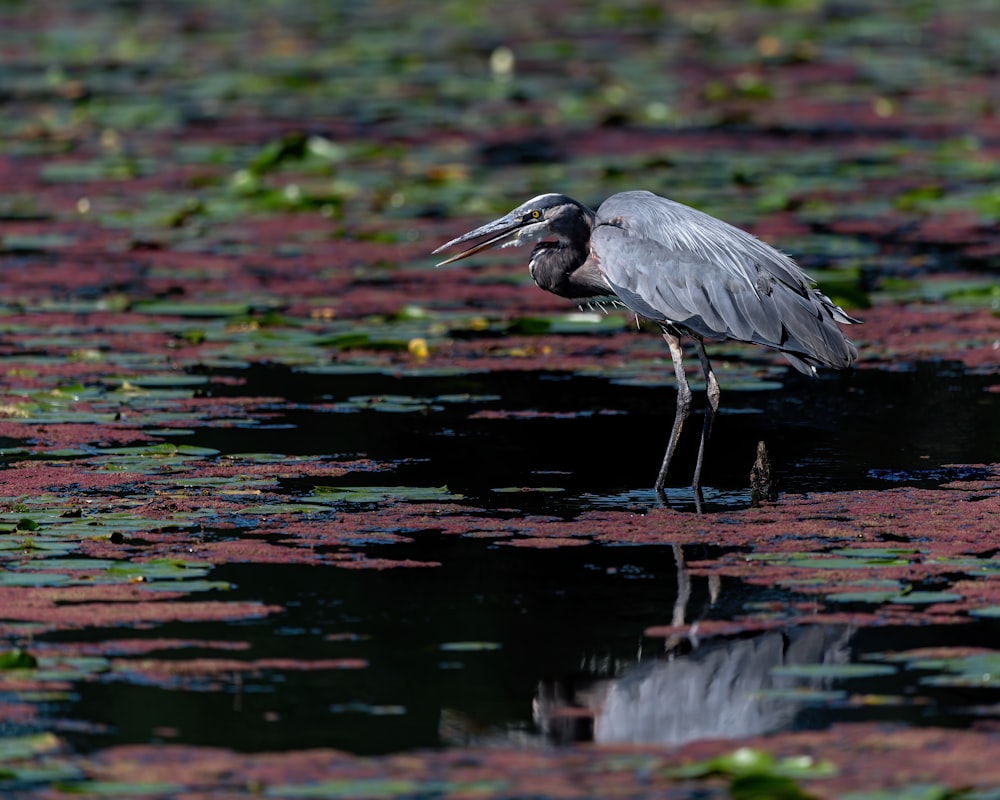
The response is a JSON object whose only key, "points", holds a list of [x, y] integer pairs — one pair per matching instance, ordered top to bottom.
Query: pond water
{"points": [[600, 444], [271, 481], [505, 643], [479, 649]]}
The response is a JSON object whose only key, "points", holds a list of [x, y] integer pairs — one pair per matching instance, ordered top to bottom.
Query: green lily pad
{"points": [[40, 243], [176, 309], [346, 341], [180, 379], [160, 450], [379, 494], [273, 509], [890, 553], [820, 561], [82, 564], [166, 569], [11, 578], [188, 586], [874, 596], [904, 598], [926, 598], [470, 647], [17, 659], [71, 668], [974, 669], [837, 671], [802, 695], [21, 747], [750, 761], [51, 772], [766, 787], [121, 788], [374, 788], [913, 792]]}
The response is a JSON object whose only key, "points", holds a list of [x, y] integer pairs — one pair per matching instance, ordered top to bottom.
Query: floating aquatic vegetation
{"points": [[238, 399]]}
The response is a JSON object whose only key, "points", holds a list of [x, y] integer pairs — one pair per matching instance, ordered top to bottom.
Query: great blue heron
{"points": [[689, 272]]}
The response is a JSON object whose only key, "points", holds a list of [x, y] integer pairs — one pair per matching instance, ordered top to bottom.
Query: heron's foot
{"points": [[698, 498]]}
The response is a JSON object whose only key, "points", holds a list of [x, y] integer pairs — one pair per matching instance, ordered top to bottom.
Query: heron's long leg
{"points": [[712, 391], [683, 405]]}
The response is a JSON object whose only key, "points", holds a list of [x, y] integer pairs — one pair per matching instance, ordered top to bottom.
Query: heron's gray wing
{"points": [[675, 264], [680, 287]]}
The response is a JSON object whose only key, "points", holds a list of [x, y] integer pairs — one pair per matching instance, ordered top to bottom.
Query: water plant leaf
{"points": [[241, 263], [179, 309], [379, 494], [821, 561], [160, 569], [11, 578], [187, 586], [875, 596], [925, 598], [470, 647], [17, 659], [833, 671], [802, 694], [13, 748], [748, 761], [766, 787], [120, 788], [375, 788], [911, 792]]}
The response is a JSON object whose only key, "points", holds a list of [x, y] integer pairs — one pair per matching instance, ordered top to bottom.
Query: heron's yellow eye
{"points": [[536, 214]]}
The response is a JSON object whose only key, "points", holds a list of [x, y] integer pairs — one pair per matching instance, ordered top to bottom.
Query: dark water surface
{"points": [[860, 430], [491, 643], [477, 649], [463, 652]]}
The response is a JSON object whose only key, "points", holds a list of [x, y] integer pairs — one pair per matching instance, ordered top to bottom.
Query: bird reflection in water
{"points": [[720, 689]]}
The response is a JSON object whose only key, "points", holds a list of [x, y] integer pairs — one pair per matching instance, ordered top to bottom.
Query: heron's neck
{"points": [[566, 267]]}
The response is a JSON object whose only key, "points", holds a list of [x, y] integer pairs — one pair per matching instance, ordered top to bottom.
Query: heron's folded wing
{"points": [[676, 264], [677, 286]]}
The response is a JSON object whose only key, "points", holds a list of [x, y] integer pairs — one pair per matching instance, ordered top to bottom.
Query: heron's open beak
{"points": [[498, 231]]}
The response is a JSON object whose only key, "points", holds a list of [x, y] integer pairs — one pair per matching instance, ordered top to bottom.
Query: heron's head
{"points": [[542, 216]]}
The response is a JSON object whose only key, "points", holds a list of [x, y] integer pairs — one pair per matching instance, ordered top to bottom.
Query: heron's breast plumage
{"points": [[567, 271]]}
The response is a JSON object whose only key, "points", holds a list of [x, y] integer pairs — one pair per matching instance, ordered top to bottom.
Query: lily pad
{"points": [[178, 309], [380, 494], [469, 647], [17, 659], [832, 671], [13, 748], [747, 761], [121, 788], [375, 788]]}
